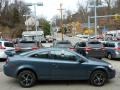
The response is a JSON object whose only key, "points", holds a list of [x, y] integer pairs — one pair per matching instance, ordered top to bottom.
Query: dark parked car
{"points": [[63, 44], [24, 46], [91, 49], [112, 49], [57, 64]]}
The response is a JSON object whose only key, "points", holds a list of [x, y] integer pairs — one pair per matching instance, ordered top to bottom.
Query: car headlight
{"points": [[110, 66]]}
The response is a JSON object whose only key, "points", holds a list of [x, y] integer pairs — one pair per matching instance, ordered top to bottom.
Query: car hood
{"points": [[97, 61]]}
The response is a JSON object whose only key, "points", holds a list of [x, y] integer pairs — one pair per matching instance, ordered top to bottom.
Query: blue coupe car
{"points": [[57, 64]]}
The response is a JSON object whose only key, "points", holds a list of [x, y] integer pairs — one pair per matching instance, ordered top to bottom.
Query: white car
{"points": [[84, 37], [6, 46]]}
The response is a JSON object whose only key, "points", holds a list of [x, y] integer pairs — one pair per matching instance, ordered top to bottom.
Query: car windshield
{"points": [[8, 44]]}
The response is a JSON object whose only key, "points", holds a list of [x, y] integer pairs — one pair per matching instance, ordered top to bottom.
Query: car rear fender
{"points": [[26, 67]]}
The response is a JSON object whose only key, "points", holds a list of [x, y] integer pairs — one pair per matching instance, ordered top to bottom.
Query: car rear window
{"points": [[63, 43], [8, 44], [25, 44], [95, 44]]}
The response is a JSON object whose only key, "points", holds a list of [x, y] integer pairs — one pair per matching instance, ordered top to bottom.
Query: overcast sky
{"points": [[49, 8]]}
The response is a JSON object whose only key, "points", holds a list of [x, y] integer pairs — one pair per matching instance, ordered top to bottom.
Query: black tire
{"points": [[109, 56], [26, 78], [98, 78]]}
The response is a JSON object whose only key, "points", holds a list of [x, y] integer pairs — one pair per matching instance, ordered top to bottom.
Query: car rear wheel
{"points": [[109, 56], [26, 78], [98, 78]]}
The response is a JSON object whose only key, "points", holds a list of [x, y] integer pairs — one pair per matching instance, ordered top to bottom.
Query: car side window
{"points": [[105, 44], [41, 55], [63, 55]]}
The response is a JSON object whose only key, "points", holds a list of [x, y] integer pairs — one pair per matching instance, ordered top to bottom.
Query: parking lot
{"points": [[7, 83]]}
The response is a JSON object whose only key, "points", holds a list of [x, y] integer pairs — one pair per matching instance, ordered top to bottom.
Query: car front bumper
{"points": [[111, 74]]}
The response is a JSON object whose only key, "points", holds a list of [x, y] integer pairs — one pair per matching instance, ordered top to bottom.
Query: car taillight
{"points": [[1, 47], [17, 48], [34, 48], [102, 48], [73, 49], [88, 49], [118, 49], [7, 60]]}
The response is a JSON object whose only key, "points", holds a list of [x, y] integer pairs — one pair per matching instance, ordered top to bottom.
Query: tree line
{"points": [[110, 7], [12, 18]]}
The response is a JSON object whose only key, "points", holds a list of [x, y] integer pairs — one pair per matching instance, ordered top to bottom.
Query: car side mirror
{"points": [[10, 54], [62, 54], [81, 60]]}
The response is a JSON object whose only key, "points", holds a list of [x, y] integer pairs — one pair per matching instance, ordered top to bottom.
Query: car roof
{"points": [[5, 41], [63, 41], [88, 41], [111, 41], [45, 49], [42, 50]]}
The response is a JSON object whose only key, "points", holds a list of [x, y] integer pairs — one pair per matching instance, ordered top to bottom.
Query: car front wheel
{"points": [[26, 78], [98, 78]]}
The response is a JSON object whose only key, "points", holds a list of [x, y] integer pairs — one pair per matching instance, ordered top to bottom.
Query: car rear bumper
{"points": [[22, 50], [96, 54], [8, 71]]}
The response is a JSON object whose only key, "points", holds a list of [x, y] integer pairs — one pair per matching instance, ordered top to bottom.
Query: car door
{"points": [[80, 48], [96, 49], [42, 64], [66, 66]]}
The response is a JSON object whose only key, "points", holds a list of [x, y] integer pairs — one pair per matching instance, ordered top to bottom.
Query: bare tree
{"points": [[83, 11]]}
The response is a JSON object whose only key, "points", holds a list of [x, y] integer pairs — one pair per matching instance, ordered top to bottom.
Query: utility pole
{"points": [[35, 4], [95, 6], [95, 18], [61, 24]]}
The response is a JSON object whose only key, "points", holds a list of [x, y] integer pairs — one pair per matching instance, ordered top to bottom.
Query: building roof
{"points": [[32, 33]]}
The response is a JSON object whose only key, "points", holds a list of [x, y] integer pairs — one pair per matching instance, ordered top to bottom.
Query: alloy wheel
{"points": [[26, 78], [98, 78]]}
